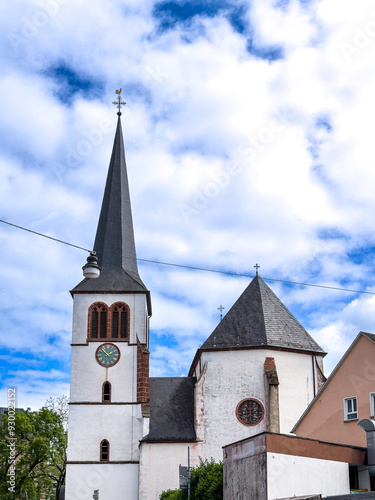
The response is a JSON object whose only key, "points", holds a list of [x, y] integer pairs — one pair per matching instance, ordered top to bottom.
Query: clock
{"points": [[107, 355], [250, 411]]}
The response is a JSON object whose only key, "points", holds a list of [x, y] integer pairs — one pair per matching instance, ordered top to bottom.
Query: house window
{"points": [[98, 321], [106, 392], [372, 404], [350, 409], [104, 451]]}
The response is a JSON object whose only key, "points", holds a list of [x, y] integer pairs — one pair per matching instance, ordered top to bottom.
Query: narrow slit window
{"points": [[124, 319], [98, 321], [120, 321], [94, 324], [103, 324], [115, 324], [106, 392], [372, 404], [104, 451]]}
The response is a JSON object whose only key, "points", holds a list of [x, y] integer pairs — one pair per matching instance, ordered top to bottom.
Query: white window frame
{"points": [[372, 404], [351, 415]]}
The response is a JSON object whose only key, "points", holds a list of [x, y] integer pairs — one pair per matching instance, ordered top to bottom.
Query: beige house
{"points": [[347, 397]]}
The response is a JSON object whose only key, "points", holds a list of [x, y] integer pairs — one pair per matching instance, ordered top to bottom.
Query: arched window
{"points": [[98, 321], [120, 321], [109, 322], [106, 392], [104, 451]]}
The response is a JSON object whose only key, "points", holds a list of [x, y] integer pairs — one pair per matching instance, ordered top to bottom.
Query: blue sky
{"points": [[248, 133]]}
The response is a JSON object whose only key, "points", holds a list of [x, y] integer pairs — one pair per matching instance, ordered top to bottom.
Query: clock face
{"points": [[107, 355]]}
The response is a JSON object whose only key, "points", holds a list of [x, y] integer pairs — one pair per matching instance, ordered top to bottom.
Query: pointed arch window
{"points": [[98, 317], [120, 317], [106, 392], [104, 451]]}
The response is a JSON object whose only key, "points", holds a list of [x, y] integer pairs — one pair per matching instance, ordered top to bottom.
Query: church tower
{"points": [[109, 372]]}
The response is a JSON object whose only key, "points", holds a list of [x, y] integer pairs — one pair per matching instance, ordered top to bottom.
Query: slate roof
{"points": [[114, 242], [260, 319], [370, 336], [171, 409]]}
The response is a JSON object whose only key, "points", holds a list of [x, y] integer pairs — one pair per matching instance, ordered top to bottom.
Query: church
{"points": [[128, 433]]}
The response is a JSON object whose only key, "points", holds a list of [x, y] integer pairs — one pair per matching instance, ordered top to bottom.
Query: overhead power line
{"points": [[44, 236], [228, 273]]}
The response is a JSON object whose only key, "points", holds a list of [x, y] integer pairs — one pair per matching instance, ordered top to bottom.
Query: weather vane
{"points": [[119, 102]]}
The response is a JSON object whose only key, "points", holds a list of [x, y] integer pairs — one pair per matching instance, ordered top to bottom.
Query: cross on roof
{"points": [[119, 102], [257, 266], [221, 309]]}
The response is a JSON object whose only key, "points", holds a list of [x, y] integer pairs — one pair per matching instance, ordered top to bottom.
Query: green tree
{"points": [[59, 405], [39, 440], [57, 469], [207, 480], [206, 483], [172, 495]]}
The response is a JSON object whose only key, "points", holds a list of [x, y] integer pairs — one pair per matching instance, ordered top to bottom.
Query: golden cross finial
{"points": [[119, 102]]}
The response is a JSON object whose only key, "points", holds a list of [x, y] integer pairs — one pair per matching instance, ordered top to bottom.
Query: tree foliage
{"points": [[59, 405], [39, 441], [207, 480], [206, 483], [172, 495]]}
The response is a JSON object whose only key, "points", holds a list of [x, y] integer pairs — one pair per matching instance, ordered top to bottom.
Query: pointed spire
{"points": [[114, 242]]}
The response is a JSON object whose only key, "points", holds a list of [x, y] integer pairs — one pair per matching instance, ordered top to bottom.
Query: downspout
{"points": [[313, 367], [369, 426]]}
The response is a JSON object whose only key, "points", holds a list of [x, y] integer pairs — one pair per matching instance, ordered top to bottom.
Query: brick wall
{"points": [[143, 386]]}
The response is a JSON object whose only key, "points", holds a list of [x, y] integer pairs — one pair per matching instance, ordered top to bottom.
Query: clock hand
{"points": [[105, 352]]}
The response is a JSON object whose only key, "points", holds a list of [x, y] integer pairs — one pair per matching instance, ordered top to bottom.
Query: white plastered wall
{"points": [[88, 376], [228, 377], [296, 385], [121, 425], [159, 467], [289, 476], [113, 481]]}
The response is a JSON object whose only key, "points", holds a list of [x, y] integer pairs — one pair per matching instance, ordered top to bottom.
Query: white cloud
{"points": [[202, 112]]}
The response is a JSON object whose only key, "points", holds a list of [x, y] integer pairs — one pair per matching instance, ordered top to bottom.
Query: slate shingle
{"points": [[260, 319], [171, 409]]}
